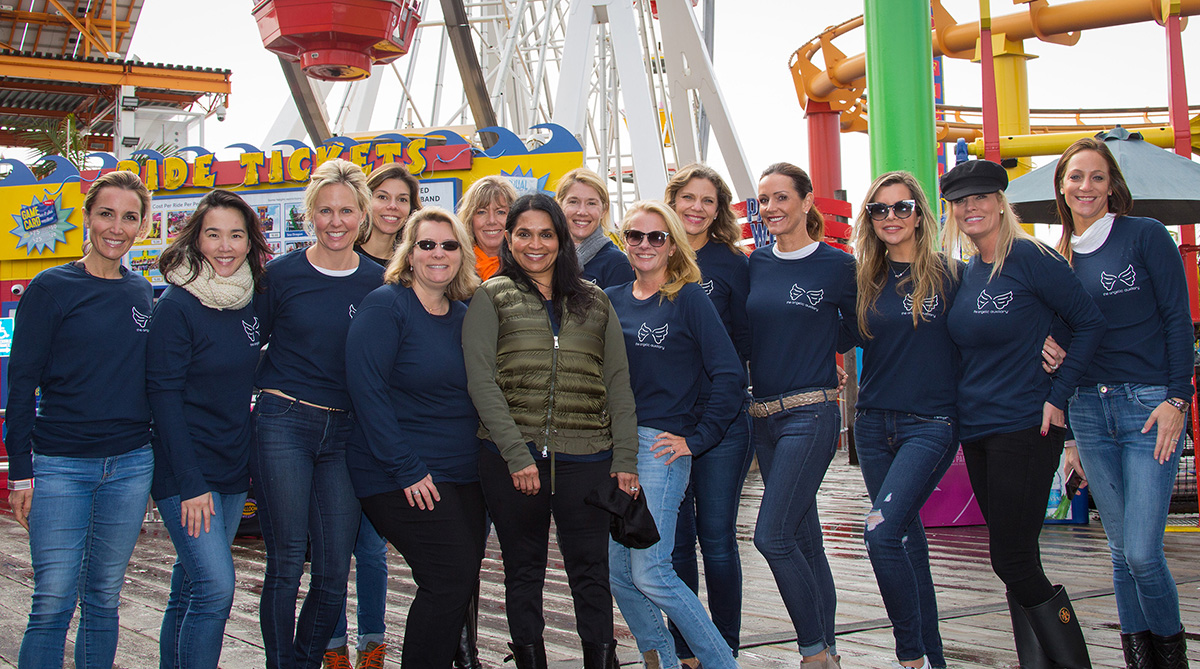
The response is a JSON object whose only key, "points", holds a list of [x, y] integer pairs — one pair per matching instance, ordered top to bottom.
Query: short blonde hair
{"points": [[338, 171], [583, 175], [492, 188], [681, 265], [399, 270]]}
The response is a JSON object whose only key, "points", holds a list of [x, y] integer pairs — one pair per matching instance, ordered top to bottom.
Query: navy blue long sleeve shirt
{"points": [[609, 267], [725, 276], [1137, 280], [794, 306], [303, 318], [1000, 325], [82, 340], [672, 345], [907, 369], [200, 377], [408, 380]]}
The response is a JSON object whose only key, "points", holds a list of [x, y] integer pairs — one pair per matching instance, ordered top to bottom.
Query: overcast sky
{"points": [[1115, 67]]}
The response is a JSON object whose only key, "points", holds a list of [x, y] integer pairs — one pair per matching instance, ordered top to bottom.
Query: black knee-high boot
{"points": [[1058, 631], [467, 654], [1030, 654]]}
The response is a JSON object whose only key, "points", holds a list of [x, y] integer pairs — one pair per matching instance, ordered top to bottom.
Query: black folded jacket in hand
{"points": [[631, 524]]}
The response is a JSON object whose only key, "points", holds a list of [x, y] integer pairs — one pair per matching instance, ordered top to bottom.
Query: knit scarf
{"points": [[588, 248], [215, 291]]}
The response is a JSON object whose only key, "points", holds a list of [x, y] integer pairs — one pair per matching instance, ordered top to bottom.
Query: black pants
{"points": [[1011, 475], [523, 527], [444, 548]]}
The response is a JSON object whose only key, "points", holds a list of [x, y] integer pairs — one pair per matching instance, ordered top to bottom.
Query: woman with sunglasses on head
{"points": [[395, 194], [584, 200], [703, 202], [484, 208], [797, 285], [81, 338], [676, 345], [200, 364], [547, 371], [1129, 412], [1011, 413], [303, 419], [905, 441], [414, 462]]}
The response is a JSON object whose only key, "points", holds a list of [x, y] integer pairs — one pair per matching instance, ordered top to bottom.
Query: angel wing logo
{"points": [[1127, 277], [707, 286], [813, 296], [999, 301], [928, 305], [353, 311], [139, 318], [251, 330], [659, 335]]}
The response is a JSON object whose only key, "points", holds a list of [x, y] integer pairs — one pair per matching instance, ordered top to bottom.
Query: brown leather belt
{"points": [[283, 395], [763, 409]]}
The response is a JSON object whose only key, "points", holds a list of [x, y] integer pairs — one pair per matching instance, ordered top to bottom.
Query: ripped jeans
{"points": [[903, 457]]}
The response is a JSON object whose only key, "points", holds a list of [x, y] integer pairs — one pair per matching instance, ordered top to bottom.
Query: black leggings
{"points": [[1011, 475], [523, 528], [443, 547]]}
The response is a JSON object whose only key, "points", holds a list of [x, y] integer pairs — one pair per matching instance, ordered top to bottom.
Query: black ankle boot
{"points": [[1057, 630], [1139, 650], [1029, 651], [1170, 652], [467, 654], [600, 655], [529, 656]]}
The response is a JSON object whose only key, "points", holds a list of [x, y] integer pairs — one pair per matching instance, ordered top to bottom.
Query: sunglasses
{"points": [[879, 211], [656, 238], [429, 245]]}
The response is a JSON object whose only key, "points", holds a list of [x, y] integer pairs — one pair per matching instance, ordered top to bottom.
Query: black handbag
{"points": [[631, 525]]}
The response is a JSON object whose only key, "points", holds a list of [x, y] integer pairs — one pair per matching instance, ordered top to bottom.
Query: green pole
{"points": [[900, 90]]}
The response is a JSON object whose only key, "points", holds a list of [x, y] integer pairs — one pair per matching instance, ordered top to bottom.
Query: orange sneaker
{"points": [[370, 657], [336, 658]]}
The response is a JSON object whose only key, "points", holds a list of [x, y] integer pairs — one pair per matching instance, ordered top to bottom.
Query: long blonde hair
{"points": [[590, 179], [489, 189], [725, 228], [1010, 230], [681, 265], [399, 270], [927, 271]]}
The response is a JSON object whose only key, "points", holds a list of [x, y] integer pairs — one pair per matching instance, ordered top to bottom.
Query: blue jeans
{"points": [[795, 447], [903, 456], [1133, 493], [304, 497], [711, 517], [83, 524], [370, 574], [643, 581], [202, 584]]}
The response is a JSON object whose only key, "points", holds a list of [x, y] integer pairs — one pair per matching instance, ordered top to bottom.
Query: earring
{"points": [[1001, 212]]}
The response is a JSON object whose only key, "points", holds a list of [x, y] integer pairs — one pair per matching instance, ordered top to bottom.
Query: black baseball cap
{"points": [[973, 177]]}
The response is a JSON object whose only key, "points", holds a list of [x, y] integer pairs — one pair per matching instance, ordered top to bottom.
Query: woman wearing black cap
{"points": [[1010, 413]]}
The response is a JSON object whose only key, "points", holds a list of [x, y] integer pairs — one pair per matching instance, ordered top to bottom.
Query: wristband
{"points": [[1179, 404], [20, 484]]}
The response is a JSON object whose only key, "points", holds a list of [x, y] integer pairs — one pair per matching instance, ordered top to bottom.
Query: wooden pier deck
{"points": [[974, 626]]}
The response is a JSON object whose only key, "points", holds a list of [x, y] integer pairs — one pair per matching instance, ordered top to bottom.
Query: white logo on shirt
{"points": [[1128, 277], [707, 286], [809, 299], [998, 302], [927, 305], [353, 311], [140, 319], [251, 330], [658, 335]]}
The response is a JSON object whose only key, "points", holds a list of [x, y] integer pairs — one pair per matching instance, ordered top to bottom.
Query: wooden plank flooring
{"points": [[975, 623]]}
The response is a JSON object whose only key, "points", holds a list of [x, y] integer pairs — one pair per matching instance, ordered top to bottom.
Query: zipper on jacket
{"points": [[550, 407]]}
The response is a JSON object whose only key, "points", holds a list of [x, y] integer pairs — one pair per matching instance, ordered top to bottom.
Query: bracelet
{"points": [[1181, 405], [20, 484]]}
